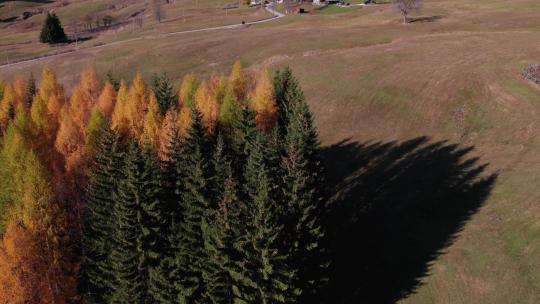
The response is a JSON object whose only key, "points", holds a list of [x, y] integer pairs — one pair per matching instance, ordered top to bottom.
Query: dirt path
{"points": [[276, 15]]}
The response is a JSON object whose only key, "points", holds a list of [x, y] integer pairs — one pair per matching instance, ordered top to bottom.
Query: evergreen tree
{"points": [[52, 31], [112, 80], [30, 91], [164, 91], [287, 93], [230, 112], [302, 193], [154, 217], [224, 229], [97, 235], [191, 257], [165, 274], [266, 275], [128, 283]]}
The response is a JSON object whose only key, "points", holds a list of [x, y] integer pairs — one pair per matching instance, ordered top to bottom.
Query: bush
{"points": [[52, 31]]}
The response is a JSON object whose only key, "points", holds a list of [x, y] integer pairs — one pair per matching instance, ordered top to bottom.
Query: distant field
{"points": [[20, 38], [453, 75]]}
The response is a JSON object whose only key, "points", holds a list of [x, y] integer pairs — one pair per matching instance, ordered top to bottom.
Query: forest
{"points": [[141, 193]]}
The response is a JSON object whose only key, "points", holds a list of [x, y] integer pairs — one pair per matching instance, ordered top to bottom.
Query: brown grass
{"points": [[367, 77]]}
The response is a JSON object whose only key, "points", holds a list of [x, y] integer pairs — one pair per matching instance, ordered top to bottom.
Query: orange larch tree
{"points": [[107, 99], [167, 131]]}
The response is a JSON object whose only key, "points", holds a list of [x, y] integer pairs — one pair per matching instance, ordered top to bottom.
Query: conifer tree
{"points": [[52, 31], [112, 80], [238, 83], [49, 85], [20, 87], [188, 89], [30, 91], [164, 91], [287, 93], [138, 99], [107, 100], [264, 103], [208, 106], [230, 112], [120, 122], [152, 124], [96, 126], [168, 130], [302, 193], [154, 219], [99, 225], [224, 229], [191, 257], [267, 275], [163, 277], [128, 284]]}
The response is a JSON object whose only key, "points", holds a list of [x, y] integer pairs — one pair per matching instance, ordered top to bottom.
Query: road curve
{"points": [[276, 15]]}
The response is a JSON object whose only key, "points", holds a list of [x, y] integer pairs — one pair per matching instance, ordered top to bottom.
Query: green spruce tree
{"points": [[52, 31], [113, 80], [30, 91], [164, 91], [288, 93], [302, 184], [194, 204], [224, 229], [138, 230], [97, 238], [164, 276], [266, 276]]}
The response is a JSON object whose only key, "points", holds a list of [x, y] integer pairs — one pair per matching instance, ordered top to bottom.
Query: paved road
{"points": [[277, 15]]}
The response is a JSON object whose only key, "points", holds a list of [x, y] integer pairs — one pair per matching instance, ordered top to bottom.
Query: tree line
{"points": [[144, 194]]}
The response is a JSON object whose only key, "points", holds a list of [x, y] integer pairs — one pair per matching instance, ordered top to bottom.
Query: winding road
{"points": [[276, 15]]}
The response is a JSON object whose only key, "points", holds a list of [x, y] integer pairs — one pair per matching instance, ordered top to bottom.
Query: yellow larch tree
{"points": [[238, 82], [49, 85], [188, 90], [19, 92], [263, 102], [136, 106], [208, 106], [7, 107], [184, 120], [120, 121], [152, 124]]}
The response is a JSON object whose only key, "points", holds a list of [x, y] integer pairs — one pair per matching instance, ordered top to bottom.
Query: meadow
{"points": [[424, 103]]}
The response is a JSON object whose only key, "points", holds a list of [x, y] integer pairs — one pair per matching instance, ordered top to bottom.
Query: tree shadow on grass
{"points": [[39, 1], [9, 19], [425, 19], [396, 207]]}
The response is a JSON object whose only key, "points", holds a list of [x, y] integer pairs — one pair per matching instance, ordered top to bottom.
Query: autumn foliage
{"points": [[47, 143]]}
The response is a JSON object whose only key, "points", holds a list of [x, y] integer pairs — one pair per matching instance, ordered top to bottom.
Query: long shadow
{"points": [[37, 1], [9, 19], [426, 19], [395, 208]]}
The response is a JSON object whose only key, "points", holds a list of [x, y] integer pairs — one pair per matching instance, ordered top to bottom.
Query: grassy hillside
{"points": [[20, 38], [406, 113]]}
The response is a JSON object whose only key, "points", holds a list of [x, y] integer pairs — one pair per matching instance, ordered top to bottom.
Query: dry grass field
{"points": [[427, 104]]}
